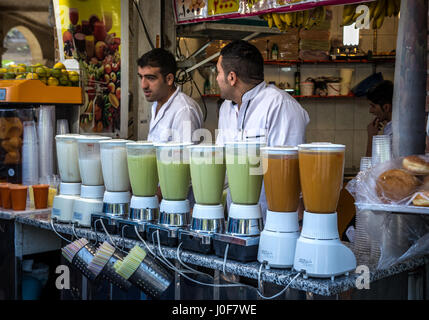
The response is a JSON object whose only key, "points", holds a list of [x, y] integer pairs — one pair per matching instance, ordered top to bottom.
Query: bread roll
{"points": [[416, 164], [395, 185], [420, 200]]}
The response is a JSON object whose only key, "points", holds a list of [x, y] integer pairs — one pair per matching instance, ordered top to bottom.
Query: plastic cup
{"points": [[381, 149], [365, 163], [40, 193], [18, 195], [5, 196]]}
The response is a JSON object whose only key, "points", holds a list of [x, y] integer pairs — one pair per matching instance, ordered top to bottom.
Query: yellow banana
{"points": [[371, 7], [397, 7], [380, 8], [390, 8], [348, 9], [322, 14], [283, 17], [288, 18], [293, 19], [299, 19], [270, 20], [347, 20], [277, 21], [377, 23]]}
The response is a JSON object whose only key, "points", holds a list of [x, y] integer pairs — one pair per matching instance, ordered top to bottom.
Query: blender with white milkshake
{"points": [[68, 167], [116, 181], [92, 189]]}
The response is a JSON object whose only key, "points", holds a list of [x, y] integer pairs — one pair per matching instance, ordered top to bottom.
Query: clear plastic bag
{"points": [[392, 237]]}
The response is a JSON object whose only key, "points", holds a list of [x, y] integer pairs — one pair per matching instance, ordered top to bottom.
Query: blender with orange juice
{"points": [[282, 189], [319, 251]]}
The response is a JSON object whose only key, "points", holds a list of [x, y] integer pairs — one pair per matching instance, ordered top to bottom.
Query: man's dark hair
{"points": [[159, 58], [245, 60], [382, 93]]}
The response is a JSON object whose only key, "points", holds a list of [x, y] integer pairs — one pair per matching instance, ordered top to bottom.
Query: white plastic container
{"points": [[307, 88], [334, 88], [67, 156], [90, 161], [114, 165], [84, 208], [62, 209]]}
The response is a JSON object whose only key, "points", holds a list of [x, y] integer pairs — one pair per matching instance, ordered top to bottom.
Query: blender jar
{"points": [[67, 157], [141, 157], [89, 160], [172, 160], [114, 165], [208, 168], [321, 169], [244, 171], [281, 178]]}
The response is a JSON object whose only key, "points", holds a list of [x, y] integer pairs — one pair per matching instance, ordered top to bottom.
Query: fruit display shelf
{"points": [[36, 92]]}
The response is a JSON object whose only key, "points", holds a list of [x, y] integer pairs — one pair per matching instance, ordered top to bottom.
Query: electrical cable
{"points": [[144, 25], [53, 228]]}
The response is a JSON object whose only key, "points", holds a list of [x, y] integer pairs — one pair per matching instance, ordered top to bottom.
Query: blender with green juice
{"points": [[172, 161], [207, 167], [143, 174], [245, 174]]}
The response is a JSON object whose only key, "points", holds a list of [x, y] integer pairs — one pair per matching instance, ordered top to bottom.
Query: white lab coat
{"points": [[272, 116], [177, 119]]}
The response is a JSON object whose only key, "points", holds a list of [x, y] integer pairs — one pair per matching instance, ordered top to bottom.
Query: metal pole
{"points": [[409, 96]]}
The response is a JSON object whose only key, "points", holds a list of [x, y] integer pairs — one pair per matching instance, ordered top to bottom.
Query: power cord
{"points": [[144, 25]]}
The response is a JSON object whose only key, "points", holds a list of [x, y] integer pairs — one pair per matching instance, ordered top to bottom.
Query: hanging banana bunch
{"points": [[378, 10], [298, 19]]}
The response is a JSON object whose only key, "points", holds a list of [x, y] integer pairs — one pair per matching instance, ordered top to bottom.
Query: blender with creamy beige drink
{"points": [[172, 162], [207, 166], [143, 173], [245, 173], [70, 186], [92, 189], [282, 189], [116, 198], [319, 251]]}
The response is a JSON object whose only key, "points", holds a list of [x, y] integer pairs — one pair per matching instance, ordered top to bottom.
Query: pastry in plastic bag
{"points": [[416, 164], [395, 185], [421, 199]]}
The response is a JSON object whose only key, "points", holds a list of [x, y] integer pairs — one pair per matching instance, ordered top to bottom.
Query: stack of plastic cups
{"points": [[62, 126], [45, 132], [381, 149], [30, 155], [365, 163]]}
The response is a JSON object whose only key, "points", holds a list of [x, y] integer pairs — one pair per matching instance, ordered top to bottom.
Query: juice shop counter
{"points": [[257, 281]]}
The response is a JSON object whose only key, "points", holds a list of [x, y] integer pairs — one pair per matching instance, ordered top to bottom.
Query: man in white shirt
{"points": [[380, 100], [254, 110], [175, 116]]}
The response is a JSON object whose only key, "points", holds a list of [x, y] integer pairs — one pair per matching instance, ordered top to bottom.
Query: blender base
{"points": [[109, 222], [126, 228], [168, 235], [201, 242], [244, 249], [277, 249]]}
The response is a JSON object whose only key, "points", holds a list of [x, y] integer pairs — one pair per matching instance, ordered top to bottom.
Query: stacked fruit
{"points": [[378, 10], [299, 19], [58, 75]]}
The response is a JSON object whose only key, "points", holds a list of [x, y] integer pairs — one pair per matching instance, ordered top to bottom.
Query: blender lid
{"points": [[69, 136], [93, 138], [115, 142], [136, 144], [172, 144], [322, 146], [280, 150]]}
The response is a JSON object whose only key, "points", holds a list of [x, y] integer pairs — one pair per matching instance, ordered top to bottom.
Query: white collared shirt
{"points": [[272, 116], [177, 119]]}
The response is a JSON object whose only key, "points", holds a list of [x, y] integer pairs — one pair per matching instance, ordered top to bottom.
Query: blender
{"points": [[172, 161], [68, 167], [208, 168], [143, 173], [245, 173], [92, 189], [282, 189], [116, 198], [319, 251]]}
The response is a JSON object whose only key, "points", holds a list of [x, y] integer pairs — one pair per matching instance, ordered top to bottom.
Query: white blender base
{"points": [[278, 240], [277, 248], [319, 251], [323, 258]]}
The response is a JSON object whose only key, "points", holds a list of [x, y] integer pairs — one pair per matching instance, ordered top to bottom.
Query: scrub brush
{"points": [[80, 253]]}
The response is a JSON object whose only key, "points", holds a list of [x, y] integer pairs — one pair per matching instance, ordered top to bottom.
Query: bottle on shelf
{"points": [[274, 52], [297, 82]]}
